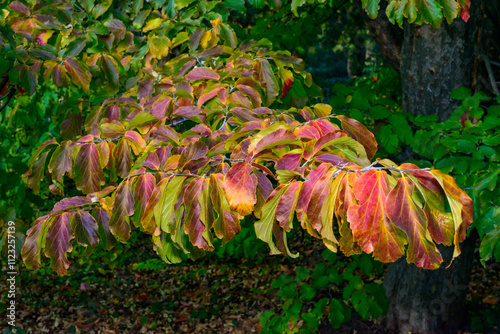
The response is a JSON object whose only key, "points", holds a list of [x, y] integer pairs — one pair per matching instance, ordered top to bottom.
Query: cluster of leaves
{"points": [[415, 11], [190, 132], [466, 145], [471, 152], [305, 301]]}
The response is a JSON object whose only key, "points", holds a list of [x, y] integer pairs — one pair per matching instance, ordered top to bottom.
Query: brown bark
{"points": [[389, 37], [436, 61], [433, 63], [425, 301]]}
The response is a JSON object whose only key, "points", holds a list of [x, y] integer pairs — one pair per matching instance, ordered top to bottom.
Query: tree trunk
{"points": [[436, 61], [433, 63], [425, 301]]}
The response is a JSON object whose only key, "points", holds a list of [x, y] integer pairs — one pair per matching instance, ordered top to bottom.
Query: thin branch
{"points": [[491, 75], [9, 95], [225, 119], [178, 122], [100, 140], [228, 159], [166, 173], [83, 207]]}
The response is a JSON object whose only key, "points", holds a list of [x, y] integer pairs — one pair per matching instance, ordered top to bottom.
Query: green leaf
{"points": [[259, 4], [296, 4], [87, 5], [238, 5], [371, 7], [450, 9], [431, 12], [75, 47], [109, 67], [379, 112], [401, 127], [388, 139], [492, 140], [489, 181], [264, 227], [490, 246], [301, 273], [288, 291], [307, 292], [336, 315]]}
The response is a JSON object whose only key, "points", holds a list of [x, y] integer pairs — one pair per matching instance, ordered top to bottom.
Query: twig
{"points": [[491, 75], [9, 95], [178, 122], [166, 173]]}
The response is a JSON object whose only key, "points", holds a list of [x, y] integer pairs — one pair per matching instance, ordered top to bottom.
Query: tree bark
{"points": [[436, 61], [433, 63], [425, 301]]}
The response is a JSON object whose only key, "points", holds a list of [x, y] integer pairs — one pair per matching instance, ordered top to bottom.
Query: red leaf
{"points": [[20, 8], [464, 9], [78, 72], [200, 73], [208, 96], [160, 106], [190, 111], [361, 134], [122, 158], [61, 161], [289, 161], [89, 176], [240, 187], [143, 189], [71, 202], [195, 202], [286, 206], [123, 208], [409, 217], [227, 223], [371, 226], [85, 228], [57, 242], [31, 248]]}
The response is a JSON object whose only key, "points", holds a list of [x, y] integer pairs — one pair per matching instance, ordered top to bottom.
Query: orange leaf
{"points": [[240, 187], [409, 217], [371, 226]]}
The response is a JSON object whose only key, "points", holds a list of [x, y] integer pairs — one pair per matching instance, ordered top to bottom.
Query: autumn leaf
{"points": [[78, 72], [200, 73], [269, 81], [360, 133], [61, 163], [89, 176], [240, 187], [195, 202], [461, 207], [123, 208], [409, 217], [227, 223], [265, 226], [371, 227], [85, 228], [35, 238], [57, 242]]}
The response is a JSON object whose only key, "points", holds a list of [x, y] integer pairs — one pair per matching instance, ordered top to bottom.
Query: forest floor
{"points": [[218, 295]]}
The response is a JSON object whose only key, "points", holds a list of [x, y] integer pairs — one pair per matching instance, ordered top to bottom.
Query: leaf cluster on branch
{"points": [[187, 132]]}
